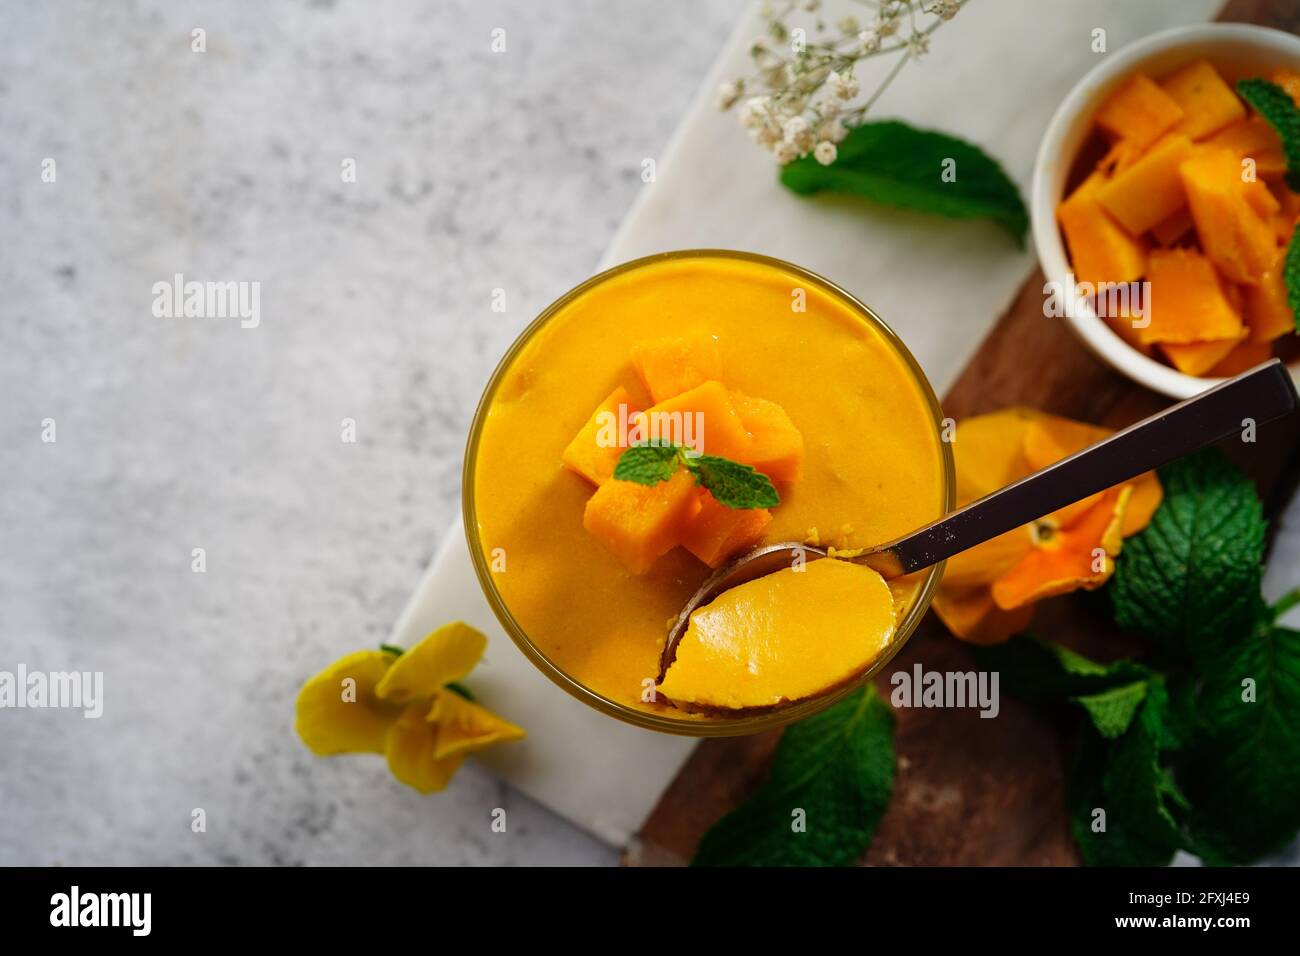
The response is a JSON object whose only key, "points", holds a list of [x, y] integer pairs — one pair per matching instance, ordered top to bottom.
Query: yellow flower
{"points": [[988, 592], [403, 706]]}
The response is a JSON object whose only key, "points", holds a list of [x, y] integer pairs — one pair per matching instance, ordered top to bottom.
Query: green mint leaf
{"points": [[1272, 102], [893, 163], [1291, 276], [647, 464], [733, 485], [1191, 579], [1041, 671], [1112, 711], [837, 767], [1242, 772], [1126, 779]]}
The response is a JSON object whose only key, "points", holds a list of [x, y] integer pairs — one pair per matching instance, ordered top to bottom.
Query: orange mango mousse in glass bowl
{"points": [[734, 373]]}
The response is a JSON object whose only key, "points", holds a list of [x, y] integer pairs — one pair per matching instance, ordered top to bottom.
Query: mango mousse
{"points": [[741, 402]]}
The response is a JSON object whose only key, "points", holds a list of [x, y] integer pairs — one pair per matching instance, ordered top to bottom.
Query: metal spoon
{"points": [[1262, 394]]}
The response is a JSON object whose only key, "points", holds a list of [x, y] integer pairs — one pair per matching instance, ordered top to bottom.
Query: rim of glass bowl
{"points": [[709, 727]]}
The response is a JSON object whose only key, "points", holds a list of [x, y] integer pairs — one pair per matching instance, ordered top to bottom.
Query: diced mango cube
{"points": [[1207, 101], [1139, 112], [1254, 138], [1150, 190], [1169, 230], [1234, 236], [1100, 249], [1187, 302], [1267, 313], [1245, 356], [1197, 358], [671, 366], [702, 418], [776, 445], [595, 450], [641, 523], [719, 533]]}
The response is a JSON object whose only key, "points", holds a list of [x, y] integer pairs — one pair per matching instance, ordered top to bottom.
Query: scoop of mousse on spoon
{"points": [[1264, 393]]}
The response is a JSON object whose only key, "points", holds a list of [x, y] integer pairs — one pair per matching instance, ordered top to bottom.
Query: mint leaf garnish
{"points": [[1275, 105], [893, 163], [1291, 276], [647, 464], [734, 485], [1191, 578], [1041, 671], [1112, 711], [1242, 773], [829, 785], [1125, 809]]}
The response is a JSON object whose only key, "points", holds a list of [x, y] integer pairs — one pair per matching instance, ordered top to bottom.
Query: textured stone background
{"points": [[475, 171]]}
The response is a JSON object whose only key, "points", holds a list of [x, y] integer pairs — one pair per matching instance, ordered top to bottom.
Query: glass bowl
{"points": [[745, 723]]}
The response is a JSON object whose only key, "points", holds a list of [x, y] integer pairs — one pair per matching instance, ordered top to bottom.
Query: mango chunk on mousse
{"points": [[670, 366], [702, 418], [776, 446], [591, 453], [640, 523], [719, 533], [781, 638]]}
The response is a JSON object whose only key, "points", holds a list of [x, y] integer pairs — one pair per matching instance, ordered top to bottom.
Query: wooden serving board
{"points": [[973, 791]]}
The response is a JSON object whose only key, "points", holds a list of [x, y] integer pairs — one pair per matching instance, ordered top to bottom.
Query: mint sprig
{"points": [[1275, 105], [896, 164], [1291, 276], [733, 484], [1191, 579], [828, 788]]}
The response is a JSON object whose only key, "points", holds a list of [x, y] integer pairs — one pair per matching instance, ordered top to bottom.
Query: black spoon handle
{"points": [[1260, 395]]}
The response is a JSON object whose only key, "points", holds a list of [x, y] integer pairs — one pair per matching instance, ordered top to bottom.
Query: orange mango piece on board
{"points": [[1289, 80], [1207, 101], [1139, 112], [1253, 138], [1150, 190], [1236, 238], [1100, 249], [1187, 301], [1267, 313], [1245, 356], [1197, 358], [671, 366], [702, 418], [776, 446], [594, 451], [641, 523], [719, 533], [1068, 558]]}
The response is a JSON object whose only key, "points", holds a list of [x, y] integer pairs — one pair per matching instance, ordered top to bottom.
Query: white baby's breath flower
{"points": [[811, 5], [943, 9], [886, 24], [849, 25], [870, 41], [918, 45], [845, 87], [729, 92], [828, 107], [753, 112], [793, 128], [833, 130], [766, 135], [825, 152], [785, 153]]}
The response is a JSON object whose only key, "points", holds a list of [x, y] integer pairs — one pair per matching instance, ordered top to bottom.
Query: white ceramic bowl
{"points": [[1253, 50]]}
